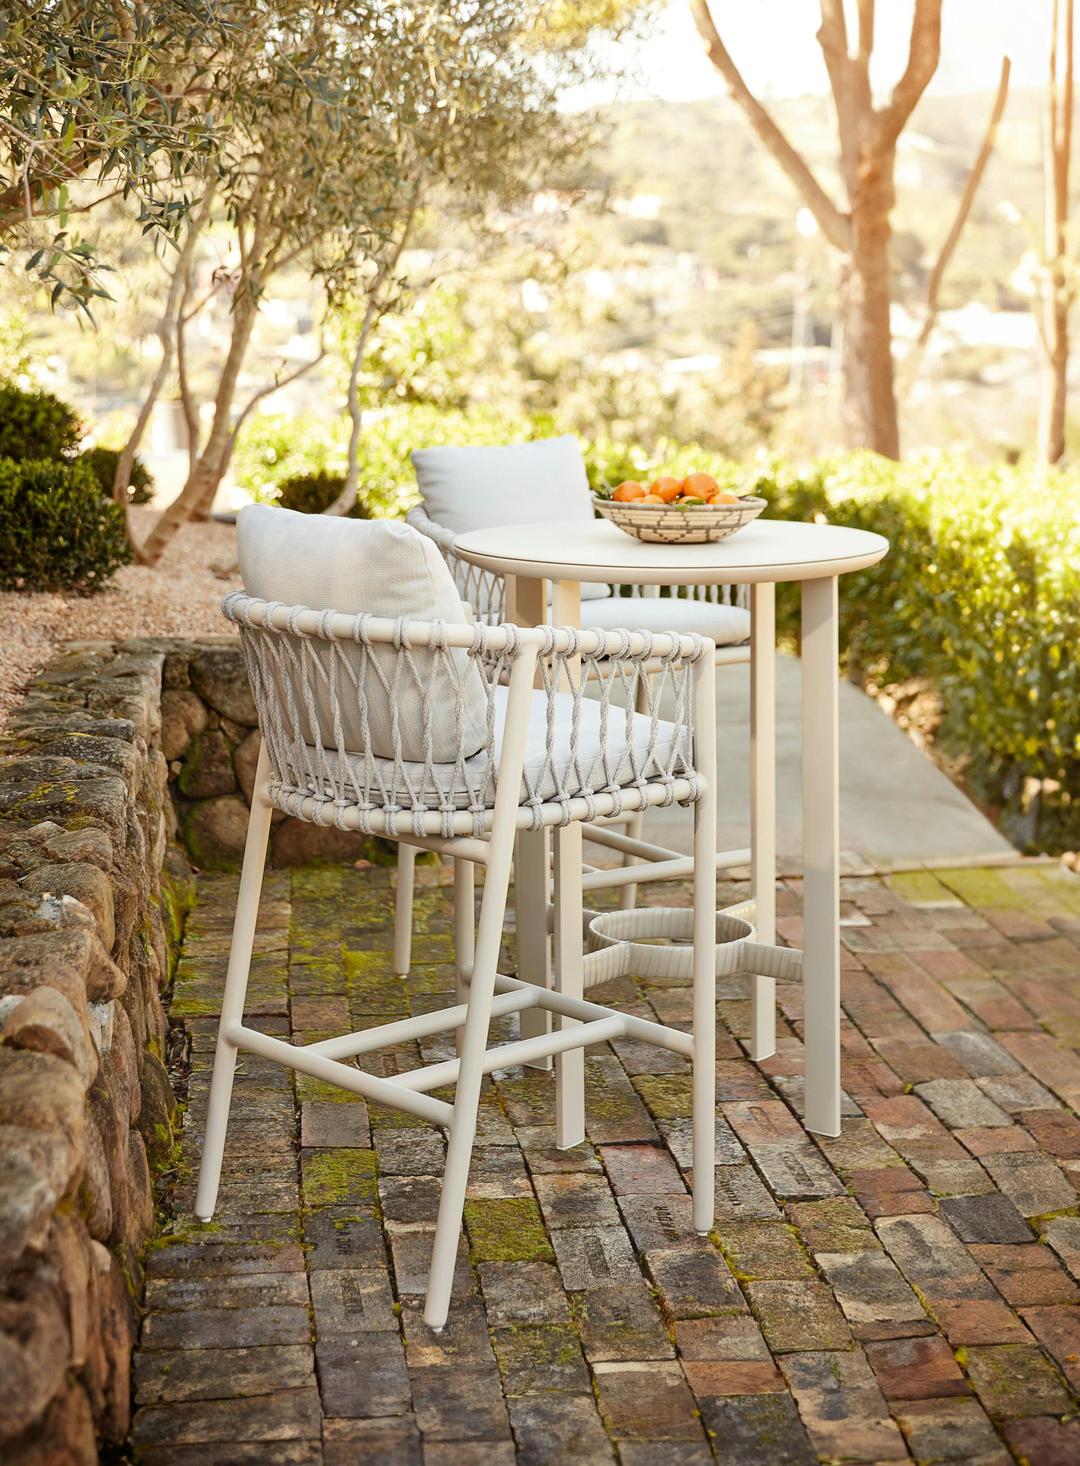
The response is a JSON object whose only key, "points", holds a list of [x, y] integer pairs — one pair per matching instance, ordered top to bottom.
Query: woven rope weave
{"points": [[325, 683]]}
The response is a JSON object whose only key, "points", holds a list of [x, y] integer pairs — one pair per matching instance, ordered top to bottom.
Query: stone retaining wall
{"points": [[208, 737], [117, 750], [87, 922]]}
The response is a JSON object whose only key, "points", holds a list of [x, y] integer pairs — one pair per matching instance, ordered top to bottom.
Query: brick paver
{"points": [[907, 1290]]}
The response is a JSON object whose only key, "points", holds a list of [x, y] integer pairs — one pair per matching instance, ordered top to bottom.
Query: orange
{"points": [[703, 485], [666, 488], [629, 489], [723, 497], [652, 499]]}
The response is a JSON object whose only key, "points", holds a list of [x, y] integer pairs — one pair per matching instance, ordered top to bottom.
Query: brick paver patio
{"points": [[907, 1290]]}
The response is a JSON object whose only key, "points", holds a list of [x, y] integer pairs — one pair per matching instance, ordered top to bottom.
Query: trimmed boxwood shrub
{"points": [[36, 425], [102, 463], [312, 493], [57, 532]]}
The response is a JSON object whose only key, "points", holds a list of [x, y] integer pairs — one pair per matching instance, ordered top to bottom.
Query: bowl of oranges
{"points": [[694, 510]]}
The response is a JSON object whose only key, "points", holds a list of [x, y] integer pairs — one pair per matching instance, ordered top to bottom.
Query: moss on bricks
{"points": [[668, 1096], [342, 1176], [507, 1229]]}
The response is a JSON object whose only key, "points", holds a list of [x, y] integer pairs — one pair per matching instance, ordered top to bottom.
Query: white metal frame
{"points": [[492, 597], [268, 631]]}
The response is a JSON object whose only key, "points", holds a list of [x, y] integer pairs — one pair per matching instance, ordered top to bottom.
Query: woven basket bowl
{"points": [[701, 524]]}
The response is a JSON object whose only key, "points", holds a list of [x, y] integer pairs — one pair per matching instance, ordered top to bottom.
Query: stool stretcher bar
{"points": [[677, 869], [584, 1012], [403, 1030], [522, 1051], [383, 1091]]}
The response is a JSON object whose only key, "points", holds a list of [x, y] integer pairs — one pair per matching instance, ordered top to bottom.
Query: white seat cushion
{"points": [[520, 483], [384, 568], [727, 625], [615, 754]]}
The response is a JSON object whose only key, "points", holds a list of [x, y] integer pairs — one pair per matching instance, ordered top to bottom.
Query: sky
{"points": [[772, 42]]}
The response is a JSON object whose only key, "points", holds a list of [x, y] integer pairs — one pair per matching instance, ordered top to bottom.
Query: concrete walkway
{"points": [[896, 808]]}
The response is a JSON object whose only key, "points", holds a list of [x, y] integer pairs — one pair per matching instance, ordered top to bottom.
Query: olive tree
{"points": [[100, 97], [418, 101]]}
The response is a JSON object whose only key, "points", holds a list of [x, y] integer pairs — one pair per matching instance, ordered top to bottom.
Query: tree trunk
{"points": [[1058, 290], [167, 332], [1055, 385], [869, 395], [206, 475], [347, 498]]}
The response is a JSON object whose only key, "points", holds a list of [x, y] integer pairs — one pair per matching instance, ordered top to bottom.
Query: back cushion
{"points": [[483, 488], [385, 568]]}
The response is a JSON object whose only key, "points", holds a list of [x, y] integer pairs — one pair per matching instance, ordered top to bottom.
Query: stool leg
{"points": [[635, 825], [403, 909], [464, 934], [236, 980], [569, 980], [470, 1076], [704, 1081]]}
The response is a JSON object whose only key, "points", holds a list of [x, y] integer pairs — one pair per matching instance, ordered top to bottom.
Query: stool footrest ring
{"points": [[654, 942]]}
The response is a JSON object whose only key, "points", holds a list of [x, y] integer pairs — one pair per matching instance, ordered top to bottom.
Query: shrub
{"points": [[36, 425], [272, 449], [102, 464], [312, 493], [57, 532]]}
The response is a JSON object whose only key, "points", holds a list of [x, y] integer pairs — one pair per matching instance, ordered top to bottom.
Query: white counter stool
{"points": [[473, 488], [383, 710]]}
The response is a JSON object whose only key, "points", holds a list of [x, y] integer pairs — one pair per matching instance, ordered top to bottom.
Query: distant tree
{"points": [[99, 97], [862, 233], [1059, 280]]}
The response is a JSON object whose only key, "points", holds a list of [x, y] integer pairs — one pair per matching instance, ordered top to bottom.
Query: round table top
{"points": [[766, 550]]}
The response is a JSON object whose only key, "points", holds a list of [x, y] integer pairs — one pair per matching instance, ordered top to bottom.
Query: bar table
{"points": [[761, 555]]}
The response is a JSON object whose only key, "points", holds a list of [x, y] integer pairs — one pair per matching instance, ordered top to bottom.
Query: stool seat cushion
{"points": [[518, 483], [726, 625], [616, 749]]}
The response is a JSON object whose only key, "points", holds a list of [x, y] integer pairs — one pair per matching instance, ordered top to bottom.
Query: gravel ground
{"points": [[180, 597]]}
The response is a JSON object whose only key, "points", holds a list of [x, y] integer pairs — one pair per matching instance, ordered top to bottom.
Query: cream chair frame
{"points": [[294, 657]]}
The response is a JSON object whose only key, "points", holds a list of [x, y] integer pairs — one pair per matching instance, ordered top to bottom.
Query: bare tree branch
{"points": [[866, 31], [924, 53], [849, 79], [967, 200], [833, 223], [167, 336], [274, 386]]}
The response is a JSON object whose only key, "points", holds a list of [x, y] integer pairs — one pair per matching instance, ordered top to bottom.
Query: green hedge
{"points": [[36, 425], [272, 448], [102, 463], [313, 493], [57, 531]]}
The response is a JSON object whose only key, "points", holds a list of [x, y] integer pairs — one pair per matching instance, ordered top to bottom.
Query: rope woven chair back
{"points": [[314, 673]]}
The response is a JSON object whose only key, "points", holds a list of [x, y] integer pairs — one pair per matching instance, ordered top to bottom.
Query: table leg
{"points": [[763, 805], [821, 855], [532, 882], [569, 1066]]}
